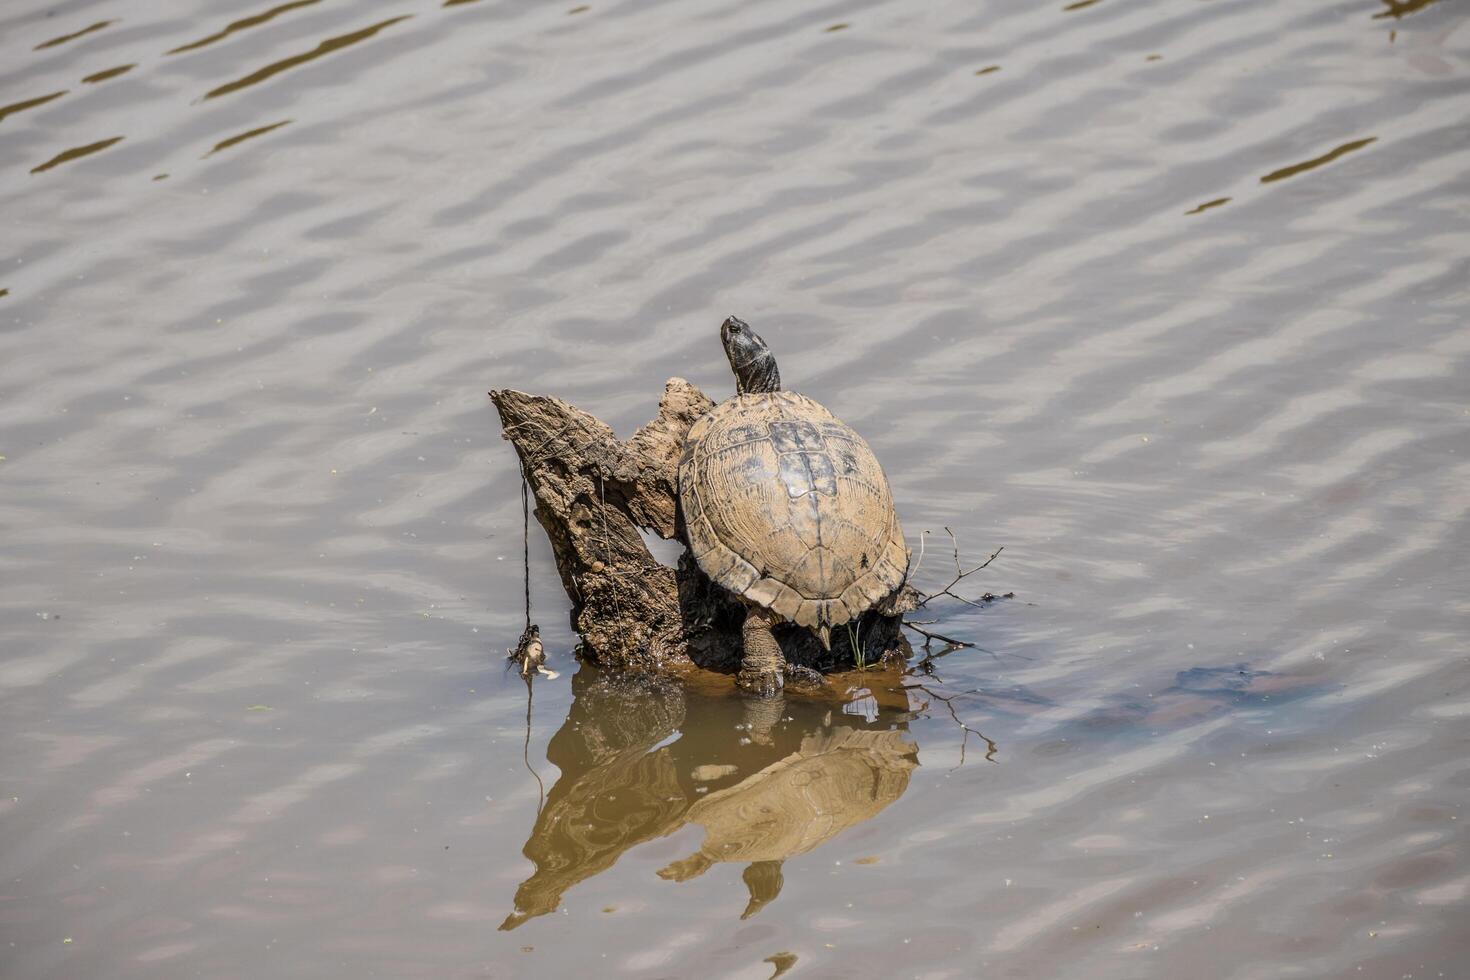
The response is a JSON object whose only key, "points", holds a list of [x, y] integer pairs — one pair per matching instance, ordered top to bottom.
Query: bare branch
{"points": [[923, 539], [960, 574], [931, 637]]}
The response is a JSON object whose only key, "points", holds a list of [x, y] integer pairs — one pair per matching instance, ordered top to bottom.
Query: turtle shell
{"points": [[786, 506]]}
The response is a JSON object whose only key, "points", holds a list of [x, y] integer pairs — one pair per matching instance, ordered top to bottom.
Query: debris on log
{"points": [[593, 492]]}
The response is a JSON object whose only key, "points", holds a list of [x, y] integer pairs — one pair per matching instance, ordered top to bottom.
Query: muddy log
{"points": [[593, 493]]}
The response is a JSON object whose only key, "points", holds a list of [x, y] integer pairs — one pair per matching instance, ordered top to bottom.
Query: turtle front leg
{"points": [[762, 671]]}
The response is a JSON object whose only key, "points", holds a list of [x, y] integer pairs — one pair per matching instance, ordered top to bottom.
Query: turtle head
{"points": [[751, 360]]}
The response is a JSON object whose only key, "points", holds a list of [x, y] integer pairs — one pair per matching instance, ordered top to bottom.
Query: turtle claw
{"points": [[763, 682]]}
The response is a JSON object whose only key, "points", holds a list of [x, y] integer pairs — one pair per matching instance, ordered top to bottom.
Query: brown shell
{"points": [[787, 506]]}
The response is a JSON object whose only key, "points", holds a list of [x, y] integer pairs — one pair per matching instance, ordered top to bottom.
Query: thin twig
{"points": [[923, 539], [526, 542], [960, 575], [931, 637]]}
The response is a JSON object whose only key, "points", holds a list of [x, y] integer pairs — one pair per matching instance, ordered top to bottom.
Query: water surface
{"points": [[1168, 299]]}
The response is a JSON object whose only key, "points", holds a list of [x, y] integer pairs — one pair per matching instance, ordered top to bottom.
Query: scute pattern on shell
{"points": [[788, 507]]}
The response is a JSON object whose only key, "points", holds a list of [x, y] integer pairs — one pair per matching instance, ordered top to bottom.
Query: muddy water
{"points": [[1167, 299]]}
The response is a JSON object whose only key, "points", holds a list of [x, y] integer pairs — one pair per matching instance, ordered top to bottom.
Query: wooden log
{"points": [[593, 493]]}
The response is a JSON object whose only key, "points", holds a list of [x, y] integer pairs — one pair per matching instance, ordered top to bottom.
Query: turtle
{"points": [[787, 508]]}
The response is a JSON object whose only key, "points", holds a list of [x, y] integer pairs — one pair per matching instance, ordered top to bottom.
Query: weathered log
{"points": [[593, 493]]}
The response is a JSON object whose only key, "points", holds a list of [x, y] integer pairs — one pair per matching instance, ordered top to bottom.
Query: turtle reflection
{"points": [[766, 779], [834, 780]]}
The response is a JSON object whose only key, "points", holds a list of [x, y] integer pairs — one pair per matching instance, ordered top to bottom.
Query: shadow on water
{"points": [[766, 779]]}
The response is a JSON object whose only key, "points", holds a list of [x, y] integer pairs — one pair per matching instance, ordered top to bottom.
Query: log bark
{"points": [[593, 493]]}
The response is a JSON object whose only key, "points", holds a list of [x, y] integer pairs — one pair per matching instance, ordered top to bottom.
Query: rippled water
{"points": [[1169, 299]]}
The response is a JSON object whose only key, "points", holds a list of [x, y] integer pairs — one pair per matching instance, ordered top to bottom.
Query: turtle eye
{"points": [[734, 328]]}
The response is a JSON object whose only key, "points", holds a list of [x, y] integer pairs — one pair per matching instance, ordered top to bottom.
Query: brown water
{"points": [[1169, 299]]}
